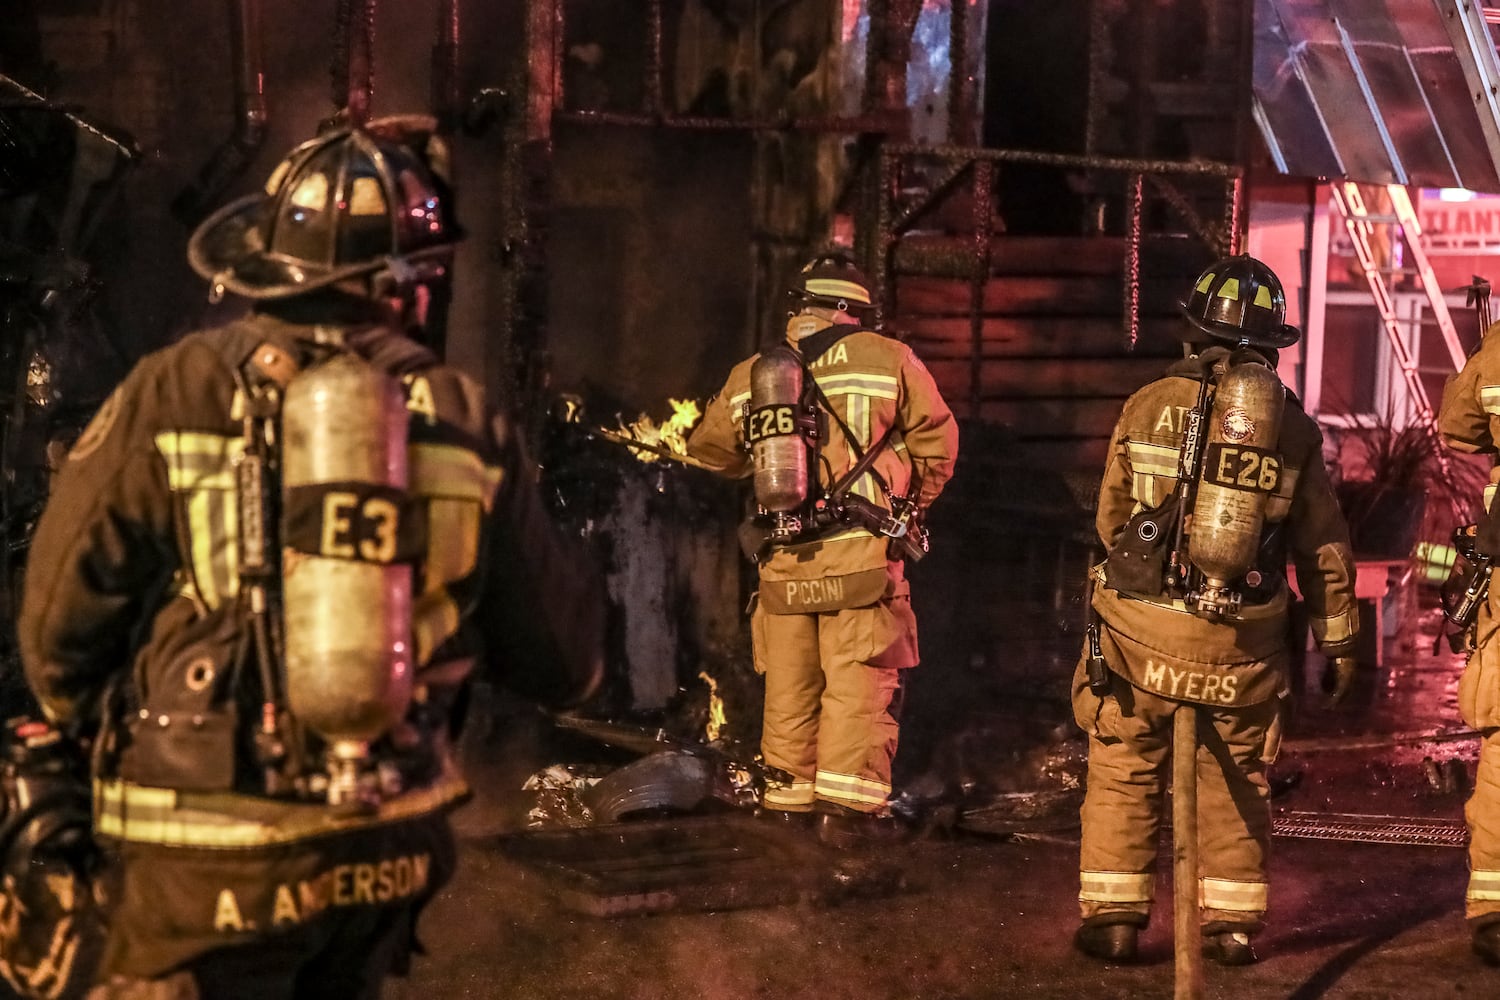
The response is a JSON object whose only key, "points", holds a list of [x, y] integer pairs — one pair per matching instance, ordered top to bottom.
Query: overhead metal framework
{"points": [[1380, 91]]}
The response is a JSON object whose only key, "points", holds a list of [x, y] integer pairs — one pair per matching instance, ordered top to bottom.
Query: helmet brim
{"points": [[226, 249], [1286, 336]]}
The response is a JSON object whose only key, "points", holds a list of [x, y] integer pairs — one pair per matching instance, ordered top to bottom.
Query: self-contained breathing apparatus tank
{"points": [[776, 433], [1240, 471], [346, 596]]}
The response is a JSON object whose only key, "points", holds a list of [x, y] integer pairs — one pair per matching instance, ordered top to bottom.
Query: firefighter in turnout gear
{"points": [[1469, 421], [848, 441], [269, 571], [1163, 632]]}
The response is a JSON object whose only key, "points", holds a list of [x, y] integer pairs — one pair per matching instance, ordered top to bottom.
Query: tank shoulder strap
{"points": [[864, 459]]}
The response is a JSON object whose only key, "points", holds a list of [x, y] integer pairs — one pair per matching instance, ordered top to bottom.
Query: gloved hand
{"points": [[1339, 675]]}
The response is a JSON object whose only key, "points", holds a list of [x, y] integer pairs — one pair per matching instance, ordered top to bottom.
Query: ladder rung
{"points": [[1394, 220]]}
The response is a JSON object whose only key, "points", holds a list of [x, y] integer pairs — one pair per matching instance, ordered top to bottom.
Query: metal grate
{"points": [[1411, 831]]}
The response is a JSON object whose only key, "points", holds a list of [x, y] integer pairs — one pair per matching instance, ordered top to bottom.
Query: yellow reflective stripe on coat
{"points": [[870, 384], [1489, 399], [857, 417], [1152, 459], [1149, 462], [201, 469], [445, 470], [458, 487], [1338, 628], [851, 788], [797, 793], [146, 815], [1483, 885], [1116, 887], [1229, 894]]}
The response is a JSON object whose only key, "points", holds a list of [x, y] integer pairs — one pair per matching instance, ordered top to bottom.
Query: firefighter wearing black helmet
{"points": [[1469, 421], [848, 441], [257, 592], [1165, 633]]}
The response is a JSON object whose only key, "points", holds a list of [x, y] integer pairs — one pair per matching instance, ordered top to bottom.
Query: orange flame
{"points": [[671, 435], [717, 718]]}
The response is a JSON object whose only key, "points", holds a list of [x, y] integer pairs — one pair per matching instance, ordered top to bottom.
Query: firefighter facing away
{"points": [[1469, 421], [848, 442], [270, 569], [1191, 607]]}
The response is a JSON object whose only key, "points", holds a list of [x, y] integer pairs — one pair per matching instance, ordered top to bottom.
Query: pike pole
{"points": [[661, 451], [1187, 936]]}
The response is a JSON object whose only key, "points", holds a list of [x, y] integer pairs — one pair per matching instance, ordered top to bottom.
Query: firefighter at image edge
{"points": [[1468, 421], [848, 441], [268, 572], [1227, 651]]}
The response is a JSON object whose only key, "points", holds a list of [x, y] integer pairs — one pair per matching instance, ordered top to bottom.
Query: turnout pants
{"points": [[833, 684], [1479, 704], [1130, 750], [1482, 901]]}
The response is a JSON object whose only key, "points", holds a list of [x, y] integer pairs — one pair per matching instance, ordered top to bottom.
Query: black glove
{"points": [[1339, 676]]}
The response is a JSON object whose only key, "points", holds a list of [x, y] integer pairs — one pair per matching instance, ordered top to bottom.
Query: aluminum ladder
{"points": [[1359, 223]]}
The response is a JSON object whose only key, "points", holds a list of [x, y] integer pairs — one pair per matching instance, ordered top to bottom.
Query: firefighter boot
{"points": [[789, 819], [846, 829], [1110, 942], [1486, 943], [1229, 948]]}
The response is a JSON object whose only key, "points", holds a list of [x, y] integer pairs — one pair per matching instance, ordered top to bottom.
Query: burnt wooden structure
{"points": [[1039, 283]]}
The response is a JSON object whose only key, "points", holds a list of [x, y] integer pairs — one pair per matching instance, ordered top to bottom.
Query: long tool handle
{"points": [[660, 450], [1188, 938]]}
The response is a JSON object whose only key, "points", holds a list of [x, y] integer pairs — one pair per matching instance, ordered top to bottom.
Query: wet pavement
{"points": [[961, 915]]}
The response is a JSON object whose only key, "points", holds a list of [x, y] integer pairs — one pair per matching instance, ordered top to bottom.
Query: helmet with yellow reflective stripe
{"points": [[354, 202], [832, 281], [1239, 300]]}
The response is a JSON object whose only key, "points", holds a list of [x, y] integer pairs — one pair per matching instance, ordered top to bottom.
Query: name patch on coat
{"points": [[824, 593], [1190, 685], [372, 884]]}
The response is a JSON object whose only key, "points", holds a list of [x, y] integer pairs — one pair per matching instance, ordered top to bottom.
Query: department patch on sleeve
{"points": [[98, 429]]}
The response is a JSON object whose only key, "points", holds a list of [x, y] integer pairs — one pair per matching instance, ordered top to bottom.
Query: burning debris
{"points": [[671, 435], [649, 441], [717, 718]]}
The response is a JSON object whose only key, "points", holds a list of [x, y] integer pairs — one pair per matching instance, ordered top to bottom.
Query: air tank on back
{"points": [[777, 447], [1241, 469], [347, 604]]}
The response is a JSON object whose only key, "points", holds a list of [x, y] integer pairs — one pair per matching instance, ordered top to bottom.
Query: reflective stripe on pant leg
{"points": [[786, 651], [858, 736], [852, 791], [794, 796], [1122, 806], [1482, 812], [1234, 819], [1484, 886], [1116, 887], [1232, 896]]}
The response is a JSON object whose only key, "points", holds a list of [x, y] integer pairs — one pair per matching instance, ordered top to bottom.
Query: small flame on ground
{"points": [[671, 435], [717, 718]]}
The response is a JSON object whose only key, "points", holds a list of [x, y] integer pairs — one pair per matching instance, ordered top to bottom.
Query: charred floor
{"points": [[1367, 867]]}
